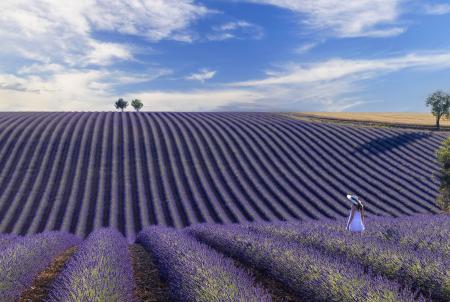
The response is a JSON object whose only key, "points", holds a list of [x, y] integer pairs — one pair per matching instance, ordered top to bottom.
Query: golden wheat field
{"points": [[383, 117]]}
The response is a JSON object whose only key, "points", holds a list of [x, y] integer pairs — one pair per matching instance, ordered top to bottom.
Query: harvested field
{"points": [[387, 118]]}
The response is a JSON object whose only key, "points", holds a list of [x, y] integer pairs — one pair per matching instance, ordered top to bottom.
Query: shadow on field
{"points": [[388, 143]]}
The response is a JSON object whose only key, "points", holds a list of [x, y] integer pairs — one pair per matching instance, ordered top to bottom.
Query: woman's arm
{"points": [[362, 215]]}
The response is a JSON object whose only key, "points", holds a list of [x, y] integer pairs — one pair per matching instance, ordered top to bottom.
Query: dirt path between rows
{"points": [[42, 284], [149, 285], [276, 289]]}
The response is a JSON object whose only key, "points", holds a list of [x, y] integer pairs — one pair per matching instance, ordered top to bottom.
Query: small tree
{"points": [[121, 104], [137, 104], [440, 105], [443, 156]]}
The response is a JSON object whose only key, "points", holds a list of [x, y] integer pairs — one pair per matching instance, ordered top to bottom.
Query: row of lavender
{"points": [[78, 172], [411, 251], [395, 260], [101, 270], [310, 274]]}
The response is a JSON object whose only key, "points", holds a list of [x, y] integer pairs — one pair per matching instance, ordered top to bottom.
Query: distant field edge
{"points": [[422, 121]]}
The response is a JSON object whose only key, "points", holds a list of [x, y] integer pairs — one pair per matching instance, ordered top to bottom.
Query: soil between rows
{"points": [[42, 284], [149, 285], [276, 289]]}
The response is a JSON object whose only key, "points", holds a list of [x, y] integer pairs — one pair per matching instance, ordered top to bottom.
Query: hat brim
{"points": [[354, 201]]}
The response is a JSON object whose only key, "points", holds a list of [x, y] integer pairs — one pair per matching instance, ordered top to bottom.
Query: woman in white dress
{"points": [[355, 221]]}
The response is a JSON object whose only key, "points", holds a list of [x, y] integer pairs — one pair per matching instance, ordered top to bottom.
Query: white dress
{"points": [[356, 224]]}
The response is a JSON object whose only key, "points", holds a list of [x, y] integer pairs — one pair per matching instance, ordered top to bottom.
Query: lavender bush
{"points": [[418, 232], [424, 232], [5, 240], [315, 260], [22, 261], [99, 271], [306, 271], [428, 271], [195, 272]]}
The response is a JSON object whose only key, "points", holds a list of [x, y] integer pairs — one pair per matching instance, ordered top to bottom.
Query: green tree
{"points": [[121, 104], [137, 104], [440, 105], [443, 157]]}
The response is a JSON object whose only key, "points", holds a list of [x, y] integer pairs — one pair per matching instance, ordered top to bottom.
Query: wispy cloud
{"points": [[437, 9], [363, 18], [153, 19], [233, 26], [236, 30], [305, 48], [334, 69], [202, 75], [335, 84], [196, 100]]}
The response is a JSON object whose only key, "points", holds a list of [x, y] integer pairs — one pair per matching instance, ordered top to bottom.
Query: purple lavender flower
{"points": [[5, 240], [22, 261], [423, 269], [99, 271], [195, 272], [309, 273]]}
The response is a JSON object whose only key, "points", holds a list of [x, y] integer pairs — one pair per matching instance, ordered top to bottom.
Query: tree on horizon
{"points": [[121, 104], [137, 104], [440, 105]]}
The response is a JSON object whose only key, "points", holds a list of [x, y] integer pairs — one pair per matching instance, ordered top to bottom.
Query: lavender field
{"points": [[79, 172], [397, 259]]}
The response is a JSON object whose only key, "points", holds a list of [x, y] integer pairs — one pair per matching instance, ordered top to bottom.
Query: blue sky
{"points": [[235, 55]]}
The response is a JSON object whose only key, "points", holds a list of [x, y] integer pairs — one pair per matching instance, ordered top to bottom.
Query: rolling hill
{"points": [[80, 171]]}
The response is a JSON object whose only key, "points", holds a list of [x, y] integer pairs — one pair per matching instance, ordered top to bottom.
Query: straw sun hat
{"points": [[354, 199]]}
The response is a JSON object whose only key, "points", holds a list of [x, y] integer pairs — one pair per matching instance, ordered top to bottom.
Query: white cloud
{"points": [[437, 9], [362, 18], [154, 19], [234, 25], [236, 30], [53, 31], [383, 33], [220, 36], [305, 48], [104, 53], [40, 68], [340, 68], [202, 76], [12, 83], [332, 85], [67, 89], [71, 90], [93, 90], [76, 91], [328, 96], [195, 100]]}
